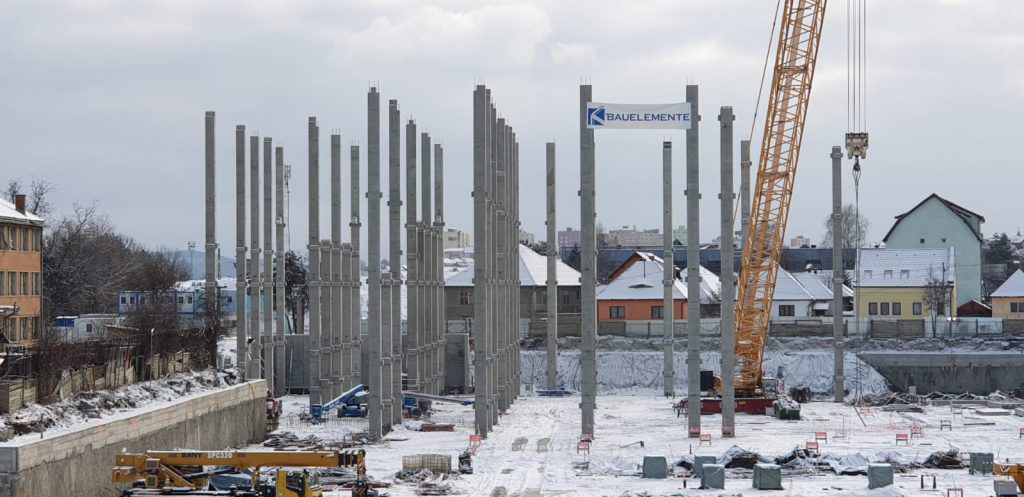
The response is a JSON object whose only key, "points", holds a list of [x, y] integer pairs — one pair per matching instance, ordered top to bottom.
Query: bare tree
{"points": [[38, 196], [850, 233], [937, 295]]}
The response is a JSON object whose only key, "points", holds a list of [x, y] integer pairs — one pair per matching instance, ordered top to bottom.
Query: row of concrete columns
{"points": [[496, 262], [257, 339]]}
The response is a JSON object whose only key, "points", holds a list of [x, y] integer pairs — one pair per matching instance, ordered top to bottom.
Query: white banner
{"points": [[638, 116]]}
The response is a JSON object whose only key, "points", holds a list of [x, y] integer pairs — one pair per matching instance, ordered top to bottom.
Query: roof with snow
{"points": [[9, 214], [964, 215], [908, 268], [533, 271], [640, 278], [188, 285], [806, 286], [1012, 287]]}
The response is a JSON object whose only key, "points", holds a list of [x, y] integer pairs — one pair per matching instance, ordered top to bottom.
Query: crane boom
{"points": [[795, 59]]}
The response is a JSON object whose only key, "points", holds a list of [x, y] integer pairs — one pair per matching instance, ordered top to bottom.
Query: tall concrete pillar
{"points": [[744, 190], [425, 253], [480, 256], [501, 259], [326, 261], [693, 265], [588, 268], [336, 269], [837, 271], [313, 277], [668, 279], [552, 282], [210, 285], [240, 286], [266, 287], [494, 291], [517, 303], [440, 321], [374, 329], [413, 345], [255, 349], [394, 351], [354, 357], [278, 363], [728, 365]]}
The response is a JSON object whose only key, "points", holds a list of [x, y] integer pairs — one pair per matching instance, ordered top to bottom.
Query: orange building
{"points": [[21, 272], [636, 292], [1008, 299]]}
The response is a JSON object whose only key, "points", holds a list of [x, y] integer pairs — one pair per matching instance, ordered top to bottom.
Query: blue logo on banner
{"points": [[595, 116]]}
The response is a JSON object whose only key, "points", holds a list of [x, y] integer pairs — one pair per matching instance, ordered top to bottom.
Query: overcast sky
{"points": [[106, 99]]}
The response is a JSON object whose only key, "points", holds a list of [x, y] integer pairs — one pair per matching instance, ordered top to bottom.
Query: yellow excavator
{"points": [[1014, 471], [190, 473]]}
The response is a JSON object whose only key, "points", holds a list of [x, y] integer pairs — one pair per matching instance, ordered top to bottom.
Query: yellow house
{"points": [[896, 283], [1008, 299]]}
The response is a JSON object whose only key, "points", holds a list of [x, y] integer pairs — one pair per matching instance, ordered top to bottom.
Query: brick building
{"points": [[21, 272]]}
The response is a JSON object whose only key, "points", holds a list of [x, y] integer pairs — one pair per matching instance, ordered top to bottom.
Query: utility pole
{"points": [[693, 264], [837, 271], [669, 279], [552, 283], [728, 365]]}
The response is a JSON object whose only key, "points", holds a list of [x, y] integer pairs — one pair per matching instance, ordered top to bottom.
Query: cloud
{"points": [[489, 36], [572, 53]]}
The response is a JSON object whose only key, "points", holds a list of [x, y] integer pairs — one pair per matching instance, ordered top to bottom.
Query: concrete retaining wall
{"points": [[979, 373], [78, 463]]}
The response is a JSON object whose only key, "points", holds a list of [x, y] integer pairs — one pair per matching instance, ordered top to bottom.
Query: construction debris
{"points": [[437, 427], [949, 459]]}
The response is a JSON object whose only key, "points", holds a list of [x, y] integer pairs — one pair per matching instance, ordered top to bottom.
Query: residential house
{"points": [[937, 223], [21, 272], [899, 283], [458, 291], [635, 291], [804, 294], [188, 296], [1008, 299]]}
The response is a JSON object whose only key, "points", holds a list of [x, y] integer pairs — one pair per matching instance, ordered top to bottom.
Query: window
{"points": [[14, 237], [3, 238], [24, 239], [39, 240], [922, 240], [943, 240], [867, 273], [887, 274], [904, 274], [36, 283], [12, 284], [24, 284], [3, 289], [465, 297], [566, 297], [181, 299], [189, 299], [229, 299], [124, 300], [131, 300], [1016, 306], [873, 308], [897, 308], [885, 309], [916, 309], [787, 310], [617, 312], [657, 312], [35, 327], [13, 328], [88, 328], [24, 329]]}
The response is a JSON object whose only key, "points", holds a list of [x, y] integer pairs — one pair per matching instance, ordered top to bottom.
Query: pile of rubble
{"points": [[290, 441]]}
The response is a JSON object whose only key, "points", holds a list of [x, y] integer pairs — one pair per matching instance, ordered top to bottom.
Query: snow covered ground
{"points": [[623, 419]]}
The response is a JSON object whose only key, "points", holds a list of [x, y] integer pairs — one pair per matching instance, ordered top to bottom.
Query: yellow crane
{"points": [[795, 59], [189, 472]]}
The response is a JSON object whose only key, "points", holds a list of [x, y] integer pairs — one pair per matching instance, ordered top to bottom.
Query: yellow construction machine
{"points": [[1014, 471], [189, 473]]}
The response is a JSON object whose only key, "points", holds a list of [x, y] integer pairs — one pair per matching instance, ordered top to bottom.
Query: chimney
{"points": [[19, 203]]}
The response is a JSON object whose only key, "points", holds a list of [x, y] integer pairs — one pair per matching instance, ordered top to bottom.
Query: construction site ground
{"points": [[624, 419]]}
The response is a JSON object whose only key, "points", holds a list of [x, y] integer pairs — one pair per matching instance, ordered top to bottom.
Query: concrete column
{"points": [[744, 190], [502, 244], [425, 253], [480, 256], [395, 257], [326, 261], [693, 265], [336, 267], [588, 268], [240, 270], [837, 270], [313, 276], [668, 280], [552, 282], [210, 285], [266, 287], [494, 292], [516, 295], [439, 309], [387, 324], [374, 329], [255, 349], [354, 357], [278, 363], [414, 364], [728, 365]]}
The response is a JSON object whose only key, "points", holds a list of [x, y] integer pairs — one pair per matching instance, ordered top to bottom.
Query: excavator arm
{"points": [[795, 59]]}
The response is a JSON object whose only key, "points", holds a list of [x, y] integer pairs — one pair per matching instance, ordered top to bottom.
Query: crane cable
{"points": [[856, 122]]}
